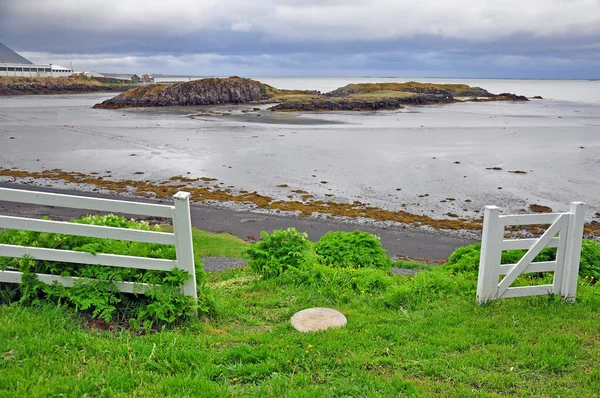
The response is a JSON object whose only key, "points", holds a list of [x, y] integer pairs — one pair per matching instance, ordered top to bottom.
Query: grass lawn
{"points": [[217, 245], [414, 336], [437, 346]]}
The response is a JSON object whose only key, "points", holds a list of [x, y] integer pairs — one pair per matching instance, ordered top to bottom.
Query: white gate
{"points": [[565, 234], [181, 238]]}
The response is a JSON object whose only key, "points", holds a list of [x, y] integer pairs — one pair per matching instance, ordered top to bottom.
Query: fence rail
{"points": [[568, 227], [181, 237]]}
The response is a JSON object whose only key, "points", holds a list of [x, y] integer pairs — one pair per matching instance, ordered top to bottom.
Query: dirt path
{"points": [[399, 242]]}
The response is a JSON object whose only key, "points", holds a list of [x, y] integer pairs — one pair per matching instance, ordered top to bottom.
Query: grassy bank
{"points": [[11, 85], [420, 335], [444, 346]]}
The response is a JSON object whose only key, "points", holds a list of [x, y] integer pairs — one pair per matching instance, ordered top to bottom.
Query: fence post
{"points": [[182, 227], [491, 252], [568, 289]]}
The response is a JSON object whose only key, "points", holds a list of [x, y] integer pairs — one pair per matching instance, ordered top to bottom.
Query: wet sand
{"points": [[419, 157]]}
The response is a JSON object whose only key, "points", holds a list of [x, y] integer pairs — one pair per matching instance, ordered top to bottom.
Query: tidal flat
{"points": [[443, 162]]}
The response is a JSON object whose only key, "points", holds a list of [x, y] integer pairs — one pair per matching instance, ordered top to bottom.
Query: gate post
{"points": [[182, 227], [491, 253], [568, 289]]}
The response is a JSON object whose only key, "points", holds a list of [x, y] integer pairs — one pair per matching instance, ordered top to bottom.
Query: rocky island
{"points": [[210, 91], [353, 97]]}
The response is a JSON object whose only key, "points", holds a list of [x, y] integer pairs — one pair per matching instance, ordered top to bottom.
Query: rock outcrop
{"points": [[211, 91], [353, 97], [501, 97], [360, 104]]}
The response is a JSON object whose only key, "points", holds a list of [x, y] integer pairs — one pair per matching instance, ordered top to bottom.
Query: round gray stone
{"points": [[313, 319]]}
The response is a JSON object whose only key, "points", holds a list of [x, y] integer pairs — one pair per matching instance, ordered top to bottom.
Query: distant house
{"points": [[125, 78], [146, 78]]}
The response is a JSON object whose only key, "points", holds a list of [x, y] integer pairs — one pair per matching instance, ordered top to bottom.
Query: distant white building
{"points": [[12, 64], [32, 70]]}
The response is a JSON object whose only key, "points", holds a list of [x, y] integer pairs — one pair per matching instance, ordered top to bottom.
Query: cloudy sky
{"points": [[404, 38]]}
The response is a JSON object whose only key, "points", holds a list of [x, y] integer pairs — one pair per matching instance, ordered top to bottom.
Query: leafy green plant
{"points": [[352, 250], [275, 253], [466, 259], [589, 267], [429, 285], [94, 290]]}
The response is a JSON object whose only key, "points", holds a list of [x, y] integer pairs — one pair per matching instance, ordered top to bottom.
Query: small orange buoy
{"points": [[72, 127]]}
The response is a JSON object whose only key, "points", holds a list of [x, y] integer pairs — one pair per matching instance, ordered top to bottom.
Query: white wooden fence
{"points": [[568, 227], [181, 237]]}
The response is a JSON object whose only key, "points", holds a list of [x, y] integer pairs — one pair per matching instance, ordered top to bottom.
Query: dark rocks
{"points": [[212, 91], [353, 97], [510, 97], [360, 104]]}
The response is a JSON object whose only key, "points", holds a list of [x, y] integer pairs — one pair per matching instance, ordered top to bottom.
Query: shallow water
{"points": [[384, 158]]}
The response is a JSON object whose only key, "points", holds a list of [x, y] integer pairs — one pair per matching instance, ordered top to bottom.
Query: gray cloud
{"points": [[318, 20], [509, 38]]}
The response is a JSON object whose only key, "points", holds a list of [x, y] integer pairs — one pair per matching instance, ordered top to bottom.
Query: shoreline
{"points": [[209, 192], [401, 241]]}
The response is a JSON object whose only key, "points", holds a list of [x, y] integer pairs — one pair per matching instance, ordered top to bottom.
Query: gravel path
{"points": [[218, 264]]}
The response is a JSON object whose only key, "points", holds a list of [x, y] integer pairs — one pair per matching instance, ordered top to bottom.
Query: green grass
{"points": [[383, 94], [294, 97], [217, 245], [420, 335], [440, 345]]}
